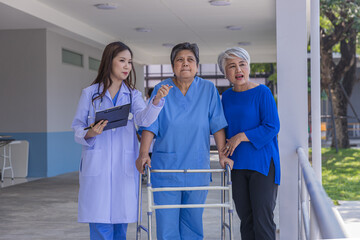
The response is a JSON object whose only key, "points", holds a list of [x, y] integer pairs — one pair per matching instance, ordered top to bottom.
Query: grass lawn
{"points": [[341, 173]]}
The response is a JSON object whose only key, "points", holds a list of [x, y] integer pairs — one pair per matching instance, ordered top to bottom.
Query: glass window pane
{"points": [[72, 58], [94, 63], [167, 68], [154, 69], [208, 69], [218, 70], [168, 74], [258, 80], [213, 81], [223, 82], [152, 83]]}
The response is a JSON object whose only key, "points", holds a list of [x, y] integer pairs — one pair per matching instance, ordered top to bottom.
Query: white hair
{"points": [[229, 54]]}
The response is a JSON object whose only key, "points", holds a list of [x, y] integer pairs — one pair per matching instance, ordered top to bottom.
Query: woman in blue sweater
{"points": [[253, 125]]}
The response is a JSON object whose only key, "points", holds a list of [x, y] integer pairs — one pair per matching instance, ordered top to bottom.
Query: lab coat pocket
{"points": [[91, 163], [129, 163]]}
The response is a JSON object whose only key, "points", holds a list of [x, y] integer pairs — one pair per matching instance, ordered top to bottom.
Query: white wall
{"points": [[139, 69], [23, 81], [65, 81]]}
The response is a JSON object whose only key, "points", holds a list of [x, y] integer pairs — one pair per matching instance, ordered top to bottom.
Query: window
{"points": [[72, 58], [94, 64]]}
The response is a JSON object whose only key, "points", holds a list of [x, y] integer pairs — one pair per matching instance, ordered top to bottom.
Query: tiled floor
{"points": [[8, 182], [47, 209]]}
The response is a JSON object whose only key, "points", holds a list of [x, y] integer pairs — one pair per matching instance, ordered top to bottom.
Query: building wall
{"points": [[64, 85], [23, 92], [39, 96], [355, 99]]}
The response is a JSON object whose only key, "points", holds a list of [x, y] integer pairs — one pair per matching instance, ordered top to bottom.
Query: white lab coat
{"points": [[108, 177]]}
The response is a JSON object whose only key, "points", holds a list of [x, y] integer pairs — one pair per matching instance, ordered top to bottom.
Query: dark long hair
{"points": [[103, 77]]}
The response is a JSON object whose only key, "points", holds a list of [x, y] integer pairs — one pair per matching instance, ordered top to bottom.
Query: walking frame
{"points": [[225, 175]]}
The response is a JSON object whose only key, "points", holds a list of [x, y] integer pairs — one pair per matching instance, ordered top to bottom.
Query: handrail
{"points": [[329, 226]]}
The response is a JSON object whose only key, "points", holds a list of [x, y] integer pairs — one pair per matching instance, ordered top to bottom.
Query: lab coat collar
{"points": [[123, 90]]}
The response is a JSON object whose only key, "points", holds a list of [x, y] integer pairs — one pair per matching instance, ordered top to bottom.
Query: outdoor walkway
{"points": [[46, 209], [350, 212]]}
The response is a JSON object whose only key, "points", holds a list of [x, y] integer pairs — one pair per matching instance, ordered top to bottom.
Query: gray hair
{"points": [[234, 51]]}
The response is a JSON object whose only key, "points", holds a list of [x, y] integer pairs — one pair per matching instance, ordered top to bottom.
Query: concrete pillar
{"points": [[139, 69], [293, 107]]}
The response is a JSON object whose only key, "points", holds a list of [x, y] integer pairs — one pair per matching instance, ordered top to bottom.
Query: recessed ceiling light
{"points": [[220, 2], [106, 6], [234, 28], [141, 29], [244, 43], [170, 45]]}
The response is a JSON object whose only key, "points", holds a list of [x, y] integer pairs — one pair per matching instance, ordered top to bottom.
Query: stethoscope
{"points": [[101, 100]]}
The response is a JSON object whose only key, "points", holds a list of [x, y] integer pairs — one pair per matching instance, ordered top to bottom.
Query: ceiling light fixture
{"points": [[220, 2], [106, 6], [234, 28], [141, 29], [244, 43]]}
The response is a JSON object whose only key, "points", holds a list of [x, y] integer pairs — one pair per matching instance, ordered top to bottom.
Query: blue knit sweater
{"points": [[253, 112]]}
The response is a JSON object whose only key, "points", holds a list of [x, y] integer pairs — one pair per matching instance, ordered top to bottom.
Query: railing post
{"points": [[327, 223]]}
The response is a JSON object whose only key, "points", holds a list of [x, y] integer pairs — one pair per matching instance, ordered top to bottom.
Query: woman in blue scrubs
{"points": [[192, 112], [251, 113], [108, 177]]}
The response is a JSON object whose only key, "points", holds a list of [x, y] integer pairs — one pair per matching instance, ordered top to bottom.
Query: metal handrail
{"points": [[329, 226]]}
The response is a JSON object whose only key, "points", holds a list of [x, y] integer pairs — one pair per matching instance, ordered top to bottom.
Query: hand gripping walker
{"points": [[226, 175]]}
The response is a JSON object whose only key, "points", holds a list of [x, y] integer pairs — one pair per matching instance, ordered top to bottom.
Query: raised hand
{"points": [[162, 92]]}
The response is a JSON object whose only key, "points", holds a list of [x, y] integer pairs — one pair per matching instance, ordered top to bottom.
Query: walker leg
{"points": [[3, 169], [12, 171], [222, 209], [231, 209], [230, 224], [149, 226], [138, 228]]}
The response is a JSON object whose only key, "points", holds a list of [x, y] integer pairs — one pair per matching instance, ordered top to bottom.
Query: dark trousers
{"points": [[255, 198]]}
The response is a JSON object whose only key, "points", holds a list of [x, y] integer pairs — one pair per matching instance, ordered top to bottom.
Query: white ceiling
{"points": [[171, 21]]}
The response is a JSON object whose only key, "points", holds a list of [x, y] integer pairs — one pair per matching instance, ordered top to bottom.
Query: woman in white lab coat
{"points": [[108, 193]]}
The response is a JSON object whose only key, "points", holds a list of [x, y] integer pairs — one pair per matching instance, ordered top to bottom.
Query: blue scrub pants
{"points": [[183, 223], [105, 231]]}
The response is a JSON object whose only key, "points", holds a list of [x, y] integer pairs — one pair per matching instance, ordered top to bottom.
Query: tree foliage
{"points": [[339, 32]]}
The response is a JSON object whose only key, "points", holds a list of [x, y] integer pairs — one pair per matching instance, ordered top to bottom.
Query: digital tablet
{"points": [[116, 116]]}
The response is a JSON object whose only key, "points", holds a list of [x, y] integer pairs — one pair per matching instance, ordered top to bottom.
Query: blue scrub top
{"points": [[182, 132]]}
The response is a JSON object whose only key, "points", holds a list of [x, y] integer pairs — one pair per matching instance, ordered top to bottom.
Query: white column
{"points": [[139, 69], [315, 88], [315, 101], [293, 108]]}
